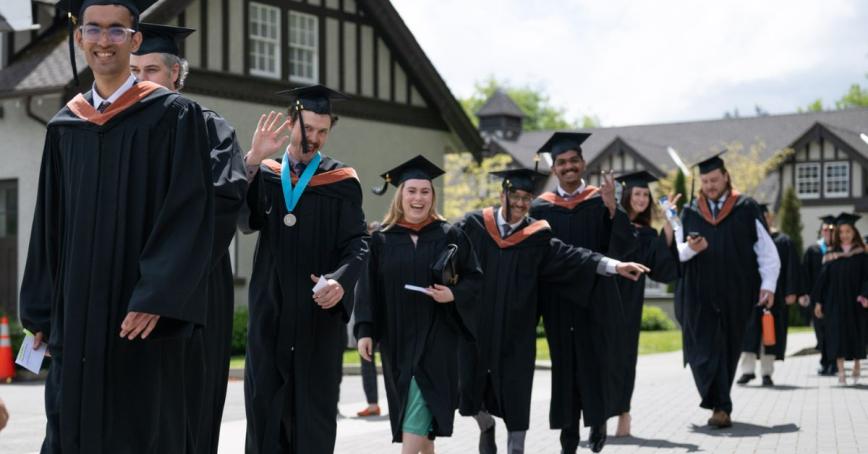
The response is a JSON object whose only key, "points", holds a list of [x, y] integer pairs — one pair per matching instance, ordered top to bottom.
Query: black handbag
{"points": [[444, 269]]}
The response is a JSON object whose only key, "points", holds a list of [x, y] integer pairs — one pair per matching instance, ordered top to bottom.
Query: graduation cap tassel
{"points": [[70, 25], [299, 108], [536, 163], [506, 186], [692, 186], [382, 190]]}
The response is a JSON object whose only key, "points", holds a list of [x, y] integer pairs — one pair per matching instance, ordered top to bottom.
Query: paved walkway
{"points": [[804, 413]]}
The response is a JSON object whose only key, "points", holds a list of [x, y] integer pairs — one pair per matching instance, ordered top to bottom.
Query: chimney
{"points": [[500, 117]]}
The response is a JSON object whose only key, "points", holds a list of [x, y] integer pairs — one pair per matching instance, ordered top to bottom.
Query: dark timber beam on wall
{"points": [[226, 34], [203, 37]]}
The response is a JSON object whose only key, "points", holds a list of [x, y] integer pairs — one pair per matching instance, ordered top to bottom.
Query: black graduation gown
{"points": [[230, 185], [123, 222], [662, 259], [812, 262], [788, 284], [718, 289], [844, 319], [579, 335], [417, 336], [295, 348], [497, 369]]}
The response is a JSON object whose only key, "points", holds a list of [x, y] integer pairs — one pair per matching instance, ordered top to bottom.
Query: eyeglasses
{"points": [[116, 34], [515, 198]]}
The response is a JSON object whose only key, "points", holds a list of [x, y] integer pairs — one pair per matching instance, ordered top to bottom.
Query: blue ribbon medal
{"points": [[292, 195]]}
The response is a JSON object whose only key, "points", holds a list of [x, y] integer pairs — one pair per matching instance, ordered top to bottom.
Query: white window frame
{"points": [[255, 14], [296, 42], [827, 179], [798, 180]]}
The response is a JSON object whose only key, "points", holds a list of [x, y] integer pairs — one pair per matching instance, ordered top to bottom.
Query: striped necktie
{"points": [[103, 106]]}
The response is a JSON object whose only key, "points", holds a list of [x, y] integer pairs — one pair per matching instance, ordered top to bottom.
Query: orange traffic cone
{"points": [[7, 364]]}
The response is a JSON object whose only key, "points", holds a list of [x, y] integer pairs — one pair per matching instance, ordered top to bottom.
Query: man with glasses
{"points": [[519, 255], [116, 274], [585, 381]]}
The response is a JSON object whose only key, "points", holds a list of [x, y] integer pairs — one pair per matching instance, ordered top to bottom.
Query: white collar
{"points": [[97, 99], [563, 192], [501, 221]]}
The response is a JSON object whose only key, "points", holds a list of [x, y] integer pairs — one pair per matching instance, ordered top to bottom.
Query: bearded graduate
{"points": [[307, 208], [657, 251], [519, 255], [729, 265], [116, 274], [841, 295], [417, 299], [584, 381]]}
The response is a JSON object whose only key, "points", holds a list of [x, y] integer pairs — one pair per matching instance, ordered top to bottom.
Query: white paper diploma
{"points": [[320, 284], [416, 288], [29, 358]]}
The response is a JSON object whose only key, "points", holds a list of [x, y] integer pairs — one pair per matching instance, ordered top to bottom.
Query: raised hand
{"points": [[271, 136], [607, 191]]}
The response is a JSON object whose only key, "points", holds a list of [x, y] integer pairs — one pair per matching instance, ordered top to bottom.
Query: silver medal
{"points": [[289, 220]]}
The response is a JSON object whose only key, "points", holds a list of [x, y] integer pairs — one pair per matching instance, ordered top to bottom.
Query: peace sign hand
{"points": [[607, 191]]}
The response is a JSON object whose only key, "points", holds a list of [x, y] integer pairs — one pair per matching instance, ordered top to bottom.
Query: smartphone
{"points": [[694, 235]]}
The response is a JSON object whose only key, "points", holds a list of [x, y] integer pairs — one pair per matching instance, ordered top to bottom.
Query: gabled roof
{"points": [[44, 67], [500, 104], [693, 140]]}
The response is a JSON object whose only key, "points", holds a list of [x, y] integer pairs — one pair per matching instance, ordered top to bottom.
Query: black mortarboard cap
{"points": [[75, 11], [164, 39], [315, 98], [561, 142], [711, 163], [418, 168], [521, 179], [640, 179], [764, 208], [847, 218], [828, 219]]}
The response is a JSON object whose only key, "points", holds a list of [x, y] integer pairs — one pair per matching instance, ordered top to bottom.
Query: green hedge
{"points": [[654, 319], [239, 331]]}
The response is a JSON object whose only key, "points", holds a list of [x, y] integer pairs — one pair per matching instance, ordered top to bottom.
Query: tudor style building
{"points": [[242, 53]]}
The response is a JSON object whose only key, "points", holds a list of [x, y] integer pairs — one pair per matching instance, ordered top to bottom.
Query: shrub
{"points": [[654, 319], [239, 331]]}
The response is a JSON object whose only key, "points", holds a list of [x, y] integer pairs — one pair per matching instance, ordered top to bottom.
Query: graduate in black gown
{"points": [[158, 60], [307, 209], [656, 251], [518, 255], [812, 262], [729, 266], [116, 274], [786, 293], [841, 296], [418, 331], [580, 337]]}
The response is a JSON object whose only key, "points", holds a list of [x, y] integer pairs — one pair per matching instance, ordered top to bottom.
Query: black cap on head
{"points": [[164, 39], [315, 98], [561, 142], [711, 163], [418, 168], [519, 179], [640, 179], [847, 218], [828, 219]]}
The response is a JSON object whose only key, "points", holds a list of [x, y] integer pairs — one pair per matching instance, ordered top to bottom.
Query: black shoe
{"points": [[833, 369], [823, 370], [745, 378], [767, 380], [598, 437], [486, 442]]}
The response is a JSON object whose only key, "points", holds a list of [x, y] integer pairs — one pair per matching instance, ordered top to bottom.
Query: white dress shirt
{"points": [[97, 99], [564, 194], [767, 258]]}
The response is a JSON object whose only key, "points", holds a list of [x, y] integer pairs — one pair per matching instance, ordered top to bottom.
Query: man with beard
{"points": [[158, 60], [116, 274], [584, 382]]}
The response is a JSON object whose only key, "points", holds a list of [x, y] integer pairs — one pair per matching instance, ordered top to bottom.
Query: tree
{"points": [[855, 97], [536, 105], [816, 106], [468, 186], [680, 187], [790, 218]]}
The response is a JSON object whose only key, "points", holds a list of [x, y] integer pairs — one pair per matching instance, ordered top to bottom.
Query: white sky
{"points": [[634, 62]]}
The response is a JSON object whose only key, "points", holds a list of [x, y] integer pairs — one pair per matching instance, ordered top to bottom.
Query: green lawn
{"points": [[649, 342]]}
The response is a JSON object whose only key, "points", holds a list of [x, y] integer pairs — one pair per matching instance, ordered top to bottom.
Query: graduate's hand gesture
{"points": [[270, 136], [607, 191], [697, 243], [631, 270], [441, 293], [328, 296], [767, 299], [790, 299], [804, 300], [863, 301], [818, 310], [136, 323], [366, 347]]}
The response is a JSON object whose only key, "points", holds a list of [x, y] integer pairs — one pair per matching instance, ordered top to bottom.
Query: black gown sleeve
{"points": [[229, 181], [252, 216], [352, 241], [622, 241], [176, 255], [43, 256], [662, 259], [565, 264], [791, 271], [368, 293], [818, 293], [466, 305]]}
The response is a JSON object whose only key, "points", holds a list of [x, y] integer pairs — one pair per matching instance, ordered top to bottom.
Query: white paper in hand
{"points": [[321, 284], [416, 288], [29, 358]]}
